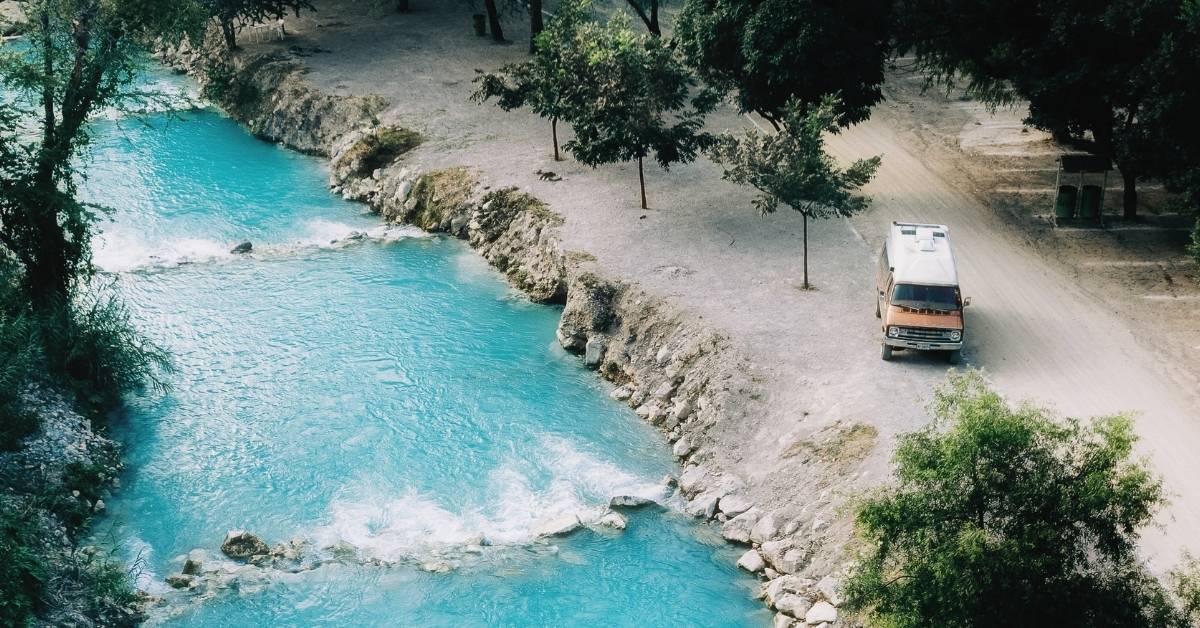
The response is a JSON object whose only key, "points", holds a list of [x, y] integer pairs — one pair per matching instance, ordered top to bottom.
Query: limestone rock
{"points": [[242, 248], [593, 352], [622, 393], [683, 409], [682, 447], [692, 480], [628, 501], [704, 505], [734, 505], [613, 520], [560, 526], [738, 528], [765, 530], [242, 545], [751, 561], [437, 566], [191, 567], [181, 581], [831, 589], [774, 590], [793, 604], [820, 612], [782, 621]]}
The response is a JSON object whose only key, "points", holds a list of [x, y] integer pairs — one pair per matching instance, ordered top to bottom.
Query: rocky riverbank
{"points": [[669, 365], [54, 485]]}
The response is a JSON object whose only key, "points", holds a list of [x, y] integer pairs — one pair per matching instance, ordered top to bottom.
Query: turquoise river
{"points": [[387, 393]]}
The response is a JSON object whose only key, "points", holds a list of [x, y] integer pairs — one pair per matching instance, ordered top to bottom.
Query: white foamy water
{"points": [[119, 251], [396, 527]]}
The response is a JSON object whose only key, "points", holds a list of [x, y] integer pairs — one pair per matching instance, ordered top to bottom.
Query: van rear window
{"points": [[918, 297]]}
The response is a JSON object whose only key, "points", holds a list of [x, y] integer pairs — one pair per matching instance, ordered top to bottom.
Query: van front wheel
{"points": [[886, 353], [954, 357]]}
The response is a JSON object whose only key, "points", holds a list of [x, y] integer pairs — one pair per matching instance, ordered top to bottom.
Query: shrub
{"points": [[223, 84], [1010, 517], [22, 570]]}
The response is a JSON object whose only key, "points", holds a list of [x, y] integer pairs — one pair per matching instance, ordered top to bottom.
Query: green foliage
{"points": [[231, 15], [771, 52], [1117, 68], [550, 83], [232, 89], [639, 101], [382, 147], [791, 167], [1194, 247], [20, 356], [1009, 516], [22, 570], [1186, 581]]}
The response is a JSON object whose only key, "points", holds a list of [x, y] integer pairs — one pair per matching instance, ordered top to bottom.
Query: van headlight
{"points": [[894, 332], [956, 335]]}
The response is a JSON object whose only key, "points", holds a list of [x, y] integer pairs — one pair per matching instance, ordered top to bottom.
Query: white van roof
{"points": [[921, 254]]}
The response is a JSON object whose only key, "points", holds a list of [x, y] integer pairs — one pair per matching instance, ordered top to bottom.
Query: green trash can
{"points": [[1064, 205], [1089, 206]]}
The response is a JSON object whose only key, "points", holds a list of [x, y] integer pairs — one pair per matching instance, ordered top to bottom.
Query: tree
{"points": [[647, 11], [232, 14], [493, 15], [772, 51], [82, 56], [1084, 67], [550, 83], [639, 104], [791, 167], [1008, 516]]}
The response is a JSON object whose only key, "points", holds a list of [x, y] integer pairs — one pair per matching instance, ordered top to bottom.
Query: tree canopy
{"points": [[232, 14], [770, 52], [1115, 69], [642, 102], [791, 167], [1006, 516]]}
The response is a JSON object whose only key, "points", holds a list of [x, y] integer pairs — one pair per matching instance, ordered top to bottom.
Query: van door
{"points": [[882, 279]]}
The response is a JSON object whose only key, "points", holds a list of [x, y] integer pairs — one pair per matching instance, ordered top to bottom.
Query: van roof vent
{"points": [[926, 245]]}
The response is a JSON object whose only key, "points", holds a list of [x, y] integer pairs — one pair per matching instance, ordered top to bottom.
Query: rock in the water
{"points": [[243, 248], [593, 352], [622, 393], [628, 501], [704, 505], [734, 505], [613, 520], [560, 526], [738, 528], [242, 545], [342, 550], [751, 561], [438, 566], [191, 567], [181, 581], [831, 589], [774, 590], [793, 604], [820, 612]]}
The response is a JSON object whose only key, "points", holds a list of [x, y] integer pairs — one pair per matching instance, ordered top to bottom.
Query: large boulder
{"points": [[628, 501], [734, 505], [560, 526], [738, 528], [765, 530], [242, 545], [751, 561], [820, 612]]}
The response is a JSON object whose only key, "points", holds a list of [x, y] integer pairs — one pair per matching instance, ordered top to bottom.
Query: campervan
{"points": [[919, 301]]}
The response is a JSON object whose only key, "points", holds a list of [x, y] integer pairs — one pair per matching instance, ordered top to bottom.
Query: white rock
{"points": [[593, 352], [664, 354], [664, 391], [621, 393], [647, 409], [683, 409], [682, 447], [692, 480], [628, 501], [704, 505], [734, 505], [613, 520], [817, 524], [560, 526], [738, 528], [765, 530], [751, 561], [791, 561], [439, 566], [831, 589], [774, 590], [793, 604], [820, 612], [782, 621]]}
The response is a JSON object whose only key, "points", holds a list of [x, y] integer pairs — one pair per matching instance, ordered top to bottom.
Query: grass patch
{"points": [[381, 148], [846, 446]]}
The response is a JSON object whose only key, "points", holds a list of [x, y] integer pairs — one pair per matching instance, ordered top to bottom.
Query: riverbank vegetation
{"points": [[67, 346], [1007, 516]]}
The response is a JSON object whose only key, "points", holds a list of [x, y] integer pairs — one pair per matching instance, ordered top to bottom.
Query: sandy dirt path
{"points": [[1040, 337]]}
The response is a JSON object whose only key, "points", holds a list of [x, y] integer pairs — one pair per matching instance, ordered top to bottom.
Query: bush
{"points": [[224, 85], [1010, 517], [22, 570]]}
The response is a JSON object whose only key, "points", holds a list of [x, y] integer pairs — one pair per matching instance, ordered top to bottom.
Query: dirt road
{"points": [[1040, 337]]}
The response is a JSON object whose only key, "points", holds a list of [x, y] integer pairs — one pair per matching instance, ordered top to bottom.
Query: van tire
{"points": [[878, 313], [886, 353], [954, 357]]}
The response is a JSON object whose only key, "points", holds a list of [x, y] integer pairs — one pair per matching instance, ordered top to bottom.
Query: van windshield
{"points": [[917, 297]]}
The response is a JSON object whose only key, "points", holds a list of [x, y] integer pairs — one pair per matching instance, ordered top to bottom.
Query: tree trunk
{"points": [[494, 20], [651, 20], [536, 23], [230, 33], [554, 134], [642, 182], [1130, 198], [806, 286]]}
